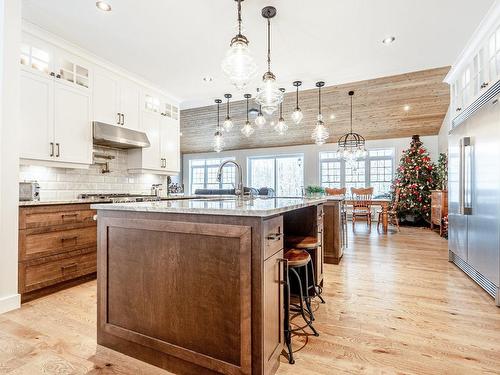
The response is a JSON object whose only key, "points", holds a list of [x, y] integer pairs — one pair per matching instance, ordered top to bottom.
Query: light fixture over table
{"points": [[238, 64], [269, 95], [320, 133], [351, 145]]}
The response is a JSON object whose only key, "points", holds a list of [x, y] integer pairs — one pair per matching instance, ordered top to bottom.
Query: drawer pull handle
{"points": [[75, 215], [274, 237], [70, 238], [70, 267]]}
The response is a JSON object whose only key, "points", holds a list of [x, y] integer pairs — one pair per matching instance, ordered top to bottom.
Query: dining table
{"points": [[383, 203]]}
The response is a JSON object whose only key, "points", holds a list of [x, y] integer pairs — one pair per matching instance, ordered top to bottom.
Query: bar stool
{"points": [[308, 243], [296, 261]]}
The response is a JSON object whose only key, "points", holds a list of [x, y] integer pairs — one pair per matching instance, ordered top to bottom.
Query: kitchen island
{"points": [[196, 286]]}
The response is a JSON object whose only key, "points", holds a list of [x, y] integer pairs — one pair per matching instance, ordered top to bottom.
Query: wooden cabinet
{"points": [[439, 208], [334, 232], [57, 247], [273, 313]]}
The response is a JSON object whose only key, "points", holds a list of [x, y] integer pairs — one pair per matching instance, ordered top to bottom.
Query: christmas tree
{"points": [[415, 178]]}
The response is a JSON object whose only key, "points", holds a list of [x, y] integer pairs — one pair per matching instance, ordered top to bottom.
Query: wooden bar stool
{"points": [[308, 243], [297, 260]]}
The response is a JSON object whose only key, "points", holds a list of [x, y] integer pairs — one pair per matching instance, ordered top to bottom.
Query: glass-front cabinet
{"points": [[477, 73]]}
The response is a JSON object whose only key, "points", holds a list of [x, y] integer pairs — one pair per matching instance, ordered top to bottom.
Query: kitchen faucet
{"points": [[239, 191]]}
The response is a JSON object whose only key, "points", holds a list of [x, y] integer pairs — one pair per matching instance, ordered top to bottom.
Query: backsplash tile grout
{"points": [[65, 183]]}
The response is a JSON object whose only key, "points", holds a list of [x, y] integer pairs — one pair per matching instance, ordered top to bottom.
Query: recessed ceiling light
{"points": [[103, 5], [389, 40], [208, 79], [407, 107]]}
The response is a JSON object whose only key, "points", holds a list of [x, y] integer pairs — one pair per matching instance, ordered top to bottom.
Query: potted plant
{"points": [[314, 191]]}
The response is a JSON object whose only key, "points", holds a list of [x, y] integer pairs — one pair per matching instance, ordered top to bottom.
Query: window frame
{"points": [[275, 159], [367, 161], [205, 168]]}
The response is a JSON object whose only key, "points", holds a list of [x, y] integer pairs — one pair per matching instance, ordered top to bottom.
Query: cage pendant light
{"points": [[238, 64], [269, 95], [297, 114], [228, 123], [281, 127], [247, 130], [320, 133], [218, 142], [351, 145]]}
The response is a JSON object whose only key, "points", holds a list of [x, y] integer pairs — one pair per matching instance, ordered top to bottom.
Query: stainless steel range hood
{"points": [[118, 137]]}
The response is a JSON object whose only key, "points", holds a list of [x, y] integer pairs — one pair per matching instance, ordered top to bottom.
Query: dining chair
{"points": [[334, 191], [361, 208], [392, 212]]}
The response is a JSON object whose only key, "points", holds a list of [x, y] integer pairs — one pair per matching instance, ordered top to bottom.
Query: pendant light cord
{"points": [[239, 17], [268, 44], [297, 98], [319, 101], [227, 108], [247, 109], [218, 114], [351, 114]]}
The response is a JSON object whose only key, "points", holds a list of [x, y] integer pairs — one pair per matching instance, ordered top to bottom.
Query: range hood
{"points": [[118, 137]]}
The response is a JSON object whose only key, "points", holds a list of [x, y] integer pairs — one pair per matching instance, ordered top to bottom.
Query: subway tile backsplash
{"points": [[64, 183]]}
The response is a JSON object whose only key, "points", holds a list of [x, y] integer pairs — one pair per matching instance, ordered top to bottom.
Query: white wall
{"points": [[10, 33], [443, 133], [311, 155]]}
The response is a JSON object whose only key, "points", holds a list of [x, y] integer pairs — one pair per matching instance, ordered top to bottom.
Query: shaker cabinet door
{"points": [[130, 97], [105, 98], [37, 116], [72, 124], [170, 144], [151, 156]]}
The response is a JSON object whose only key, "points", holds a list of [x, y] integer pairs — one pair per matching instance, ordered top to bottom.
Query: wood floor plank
{"points": [[395, 305]]}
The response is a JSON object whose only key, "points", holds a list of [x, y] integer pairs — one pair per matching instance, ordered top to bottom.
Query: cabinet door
{"points": [[71, 70], [105, 98], [130, 98], [37, 116], [72, 124], [170, 144], [151, 156], [273, 309]]}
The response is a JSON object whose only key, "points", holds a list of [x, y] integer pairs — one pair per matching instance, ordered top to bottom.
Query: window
{"points": [[375, 170], [284, 173], [203, 175]]}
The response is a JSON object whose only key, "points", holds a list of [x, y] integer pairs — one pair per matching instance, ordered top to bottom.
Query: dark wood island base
{"points": [[191, 293]]}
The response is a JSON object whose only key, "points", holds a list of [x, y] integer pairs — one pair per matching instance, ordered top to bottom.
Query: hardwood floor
{"points": [[394, 305]]}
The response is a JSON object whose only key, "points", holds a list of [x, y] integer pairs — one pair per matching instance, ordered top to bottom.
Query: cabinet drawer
{"points": [[49, 216], [273, 236], [34, 245], [36, 275]]}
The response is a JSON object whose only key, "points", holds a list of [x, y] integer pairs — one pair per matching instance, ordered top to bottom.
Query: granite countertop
{"points": [[89, 200], [260, 207]]}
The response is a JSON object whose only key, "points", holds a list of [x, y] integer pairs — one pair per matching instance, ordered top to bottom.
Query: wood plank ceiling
{"points": [[378, 113]]}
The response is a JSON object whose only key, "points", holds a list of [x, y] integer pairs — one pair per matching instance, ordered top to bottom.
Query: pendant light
{"points": [[238, 64], [269, 95], [297, 114], [260, 120], [228, 123], [281, 127], [247, 129], [320, 133], [218, 137], [351, 145]]}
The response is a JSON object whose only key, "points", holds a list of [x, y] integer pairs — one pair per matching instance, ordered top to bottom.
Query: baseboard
{"points": [[10, 303]]}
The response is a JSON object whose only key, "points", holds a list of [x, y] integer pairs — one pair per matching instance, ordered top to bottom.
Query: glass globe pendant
{"points": [[238, 64], [269, 95], [297, 114], [260, 120], [228, 123], [281, 127], [247, 130], [320, 133], [218, 142]]}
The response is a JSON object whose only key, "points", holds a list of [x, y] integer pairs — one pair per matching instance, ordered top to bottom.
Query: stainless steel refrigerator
{"points": [[474, 191]]}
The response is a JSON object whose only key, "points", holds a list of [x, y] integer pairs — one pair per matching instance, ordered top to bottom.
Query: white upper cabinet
{"points": [[478, 66], [64, 89], [105, 97], [116, 100]]}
